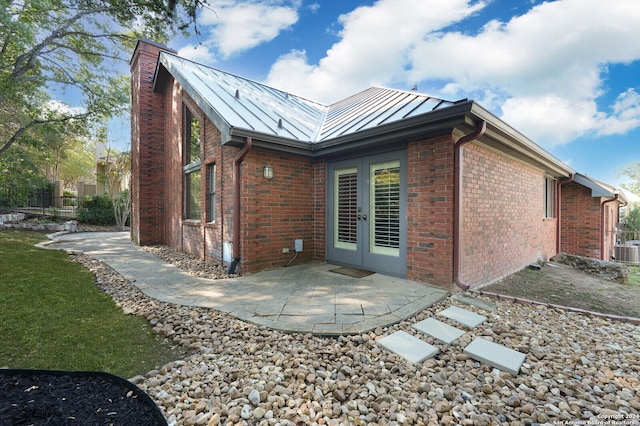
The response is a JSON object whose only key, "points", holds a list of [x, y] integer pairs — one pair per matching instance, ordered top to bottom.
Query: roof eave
{"points": [[211, 113], [431, 124], [499, 135], [597, 190]]}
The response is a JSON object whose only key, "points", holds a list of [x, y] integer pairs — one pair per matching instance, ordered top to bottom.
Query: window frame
{"points": [[191, 166], [211, 192], [549, 197]]}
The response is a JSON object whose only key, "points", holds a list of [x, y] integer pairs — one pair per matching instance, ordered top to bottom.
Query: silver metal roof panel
{"points": [[244, 104], [374, 107], [243, 108]]}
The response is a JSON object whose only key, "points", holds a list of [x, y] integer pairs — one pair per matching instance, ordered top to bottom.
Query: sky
{"points": [[564, 73]]}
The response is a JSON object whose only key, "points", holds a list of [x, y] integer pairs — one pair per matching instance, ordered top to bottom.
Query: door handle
{"points": [[359, 217], [364, 217]]}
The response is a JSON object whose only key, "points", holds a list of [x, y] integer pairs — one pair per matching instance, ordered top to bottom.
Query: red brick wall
{"points": [[147, 149], [173, 165], [430, 198], [319, 210], [277, 211], [274, 212], [580, 224], [503, 226], [503, 230], [202, 238]]}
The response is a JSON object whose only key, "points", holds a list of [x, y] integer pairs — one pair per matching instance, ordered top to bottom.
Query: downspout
{"points": [[481, 127], [236, 204], [559, 211], [602, 224]]}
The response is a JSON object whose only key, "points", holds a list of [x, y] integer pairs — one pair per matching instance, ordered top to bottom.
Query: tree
{"points": [[75, 46], [78, 164], [117, 171], [632, 171], [631, 220]]}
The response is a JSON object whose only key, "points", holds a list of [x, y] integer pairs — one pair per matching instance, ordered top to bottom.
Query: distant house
{"points": [[391, 181]]}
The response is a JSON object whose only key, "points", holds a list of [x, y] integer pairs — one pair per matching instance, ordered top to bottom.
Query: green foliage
{"points": [[58, 46], [19, 168], [632, 171], [96, 210], [631, 220], [52, 316]]}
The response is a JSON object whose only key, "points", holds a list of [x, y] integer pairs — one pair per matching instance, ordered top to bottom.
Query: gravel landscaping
{"points": [[578, 369]]}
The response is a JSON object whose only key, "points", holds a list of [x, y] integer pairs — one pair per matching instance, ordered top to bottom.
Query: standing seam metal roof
{"points": [[246, 104]]}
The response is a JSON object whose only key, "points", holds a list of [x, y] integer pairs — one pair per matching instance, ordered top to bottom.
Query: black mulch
{"points": [[43, 397]]}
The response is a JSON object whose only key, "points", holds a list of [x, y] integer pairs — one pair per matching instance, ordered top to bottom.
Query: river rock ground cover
{"points": [[577, 368]]}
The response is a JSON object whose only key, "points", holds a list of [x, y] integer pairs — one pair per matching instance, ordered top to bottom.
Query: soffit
{"points": [[598, 189]]}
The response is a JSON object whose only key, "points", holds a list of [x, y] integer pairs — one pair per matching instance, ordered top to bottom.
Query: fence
{"points": [[38, 201]]}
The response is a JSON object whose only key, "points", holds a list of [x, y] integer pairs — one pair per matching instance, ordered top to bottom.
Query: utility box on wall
{"points": [[297, 245]]}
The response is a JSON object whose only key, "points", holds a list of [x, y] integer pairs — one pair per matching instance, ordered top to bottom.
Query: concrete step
{"points": [[474, 301], [468, 318], [441, 331], [408, 346], [495, 355]]}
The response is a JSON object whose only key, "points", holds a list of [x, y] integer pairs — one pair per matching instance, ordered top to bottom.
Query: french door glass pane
{"points": [[346, 208], [385, 208]]}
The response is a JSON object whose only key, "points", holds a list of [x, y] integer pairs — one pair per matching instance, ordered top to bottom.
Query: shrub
{"points": [[69, 198], [96, 210]]}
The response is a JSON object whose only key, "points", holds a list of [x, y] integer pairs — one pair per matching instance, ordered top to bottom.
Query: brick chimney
{"points": [[147, 147]]}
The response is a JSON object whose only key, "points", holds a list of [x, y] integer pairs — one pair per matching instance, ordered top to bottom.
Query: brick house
{"points": [[391, 181], [590, 213]]}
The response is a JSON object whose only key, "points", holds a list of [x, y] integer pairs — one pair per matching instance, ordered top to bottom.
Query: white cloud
{"points": [[237, 26], [375, 42], [200, 53], [542, 71], [60, 108], [625, 116], [551, 118]]}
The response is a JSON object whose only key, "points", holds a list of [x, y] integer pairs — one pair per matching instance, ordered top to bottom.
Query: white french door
{"points": [[367, 213]]}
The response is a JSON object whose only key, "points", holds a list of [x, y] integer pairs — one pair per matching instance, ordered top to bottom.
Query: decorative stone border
{"points": [[70, 226], [523, 301]]}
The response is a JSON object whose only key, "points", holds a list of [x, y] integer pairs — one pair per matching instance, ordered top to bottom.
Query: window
{"points": [[191, 166], [211, 192], [549, 197]]}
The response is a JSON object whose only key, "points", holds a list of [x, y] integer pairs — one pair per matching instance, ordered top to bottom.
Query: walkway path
{"points": [[305, 298]]}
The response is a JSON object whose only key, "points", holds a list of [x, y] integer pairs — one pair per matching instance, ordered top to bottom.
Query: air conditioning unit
{"points": [[628, 254]]}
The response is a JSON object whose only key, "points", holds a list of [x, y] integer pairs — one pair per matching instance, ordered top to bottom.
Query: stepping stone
{"points": [[474, 301], [468, 318], [441, 331], [408, 346], [495, 355]]}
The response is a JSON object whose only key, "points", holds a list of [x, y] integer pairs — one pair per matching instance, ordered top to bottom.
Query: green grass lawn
{"points": [[634, 275], [53, 317]]}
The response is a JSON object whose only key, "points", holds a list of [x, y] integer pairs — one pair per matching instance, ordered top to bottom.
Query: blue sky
{"points": [[565, 73]]}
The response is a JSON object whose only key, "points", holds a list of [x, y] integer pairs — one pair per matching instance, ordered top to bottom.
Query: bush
{"points": [[69, 198], [96, 210]]}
